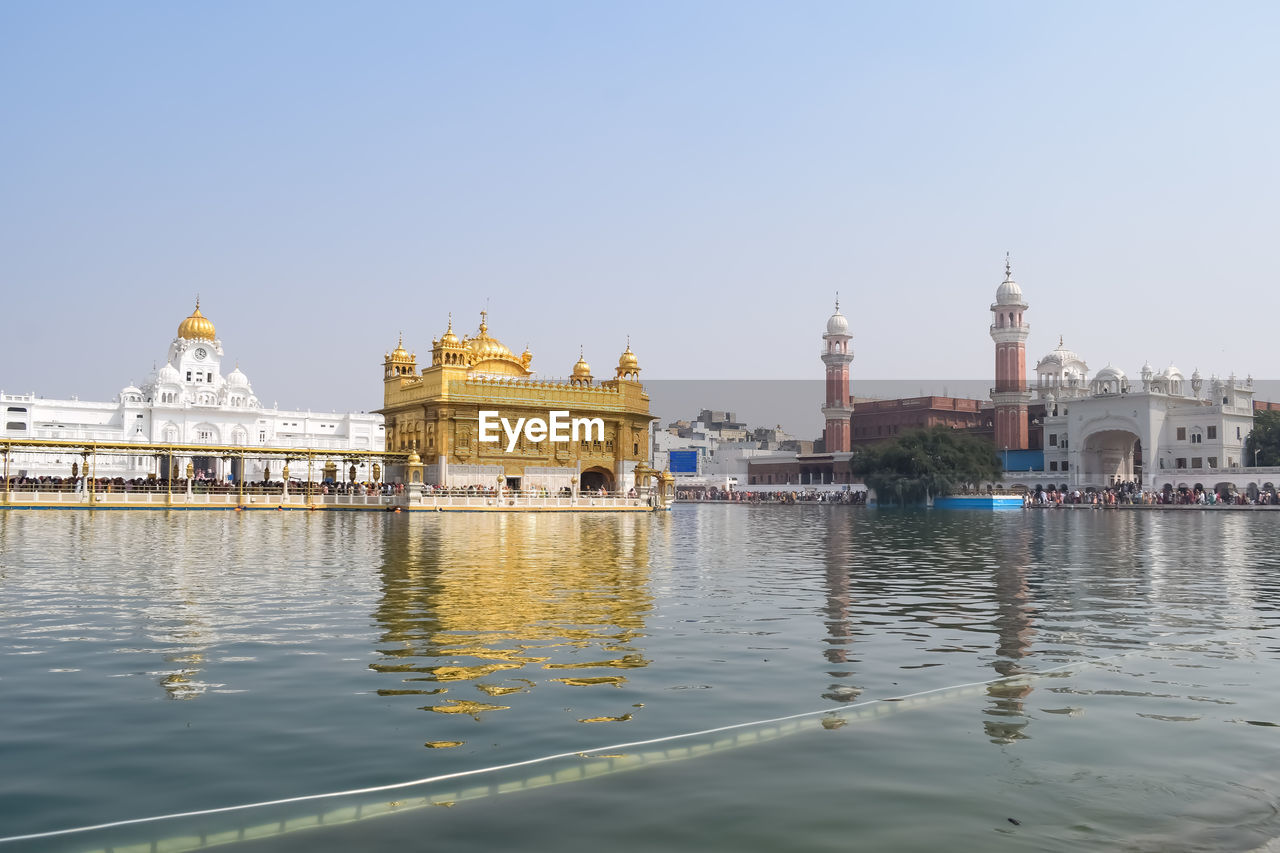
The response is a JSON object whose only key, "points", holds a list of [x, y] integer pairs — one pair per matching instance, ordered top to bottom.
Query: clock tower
{"points": [[196, 356]]}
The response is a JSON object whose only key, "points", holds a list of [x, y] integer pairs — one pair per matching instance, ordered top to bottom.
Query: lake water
{"points": [[1080, 679]]}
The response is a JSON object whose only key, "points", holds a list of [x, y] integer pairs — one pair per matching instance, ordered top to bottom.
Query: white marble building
{"points": [[187, 400], [1159, 429]]}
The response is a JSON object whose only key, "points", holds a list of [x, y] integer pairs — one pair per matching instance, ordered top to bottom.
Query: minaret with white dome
{"points": [[1010, 396], [837, 436]]}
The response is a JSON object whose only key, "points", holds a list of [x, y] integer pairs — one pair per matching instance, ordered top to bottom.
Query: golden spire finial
{"points": [[484, 326], [450, 329], [1059, 341]]}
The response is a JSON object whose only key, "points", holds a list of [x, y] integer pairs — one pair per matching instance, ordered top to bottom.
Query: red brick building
{"points": [[876, 420]]}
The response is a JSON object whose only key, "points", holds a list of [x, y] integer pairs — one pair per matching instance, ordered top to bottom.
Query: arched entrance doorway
{"points": [[1111, 456], [594, 479]]}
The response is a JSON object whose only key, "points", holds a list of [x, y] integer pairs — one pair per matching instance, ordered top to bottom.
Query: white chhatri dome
{"points": [[1008, 293], [837, 323], [1062, 356], [1062, 368], [1110, 372], [168, 375], [237, 379]]}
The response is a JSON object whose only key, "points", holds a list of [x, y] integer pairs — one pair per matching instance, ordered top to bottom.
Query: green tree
{"points": [[1264, 438], [923, 463]]}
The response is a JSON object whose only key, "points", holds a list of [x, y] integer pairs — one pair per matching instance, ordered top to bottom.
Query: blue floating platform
{"points": [[978, 502]]}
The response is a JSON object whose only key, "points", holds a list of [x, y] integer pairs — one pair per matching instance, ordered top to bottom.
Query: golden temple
{"points": [[443, 417]]}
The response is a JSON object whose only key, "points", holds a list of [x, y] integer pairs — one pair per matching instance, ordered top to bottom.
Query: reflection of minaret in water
{"points": [[839, 542], [1014, 632]]}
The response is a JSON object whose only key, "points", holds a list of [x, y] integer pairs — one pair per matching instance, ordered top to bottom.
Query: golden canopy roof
{"points": [[197, 326], [484, 348]]}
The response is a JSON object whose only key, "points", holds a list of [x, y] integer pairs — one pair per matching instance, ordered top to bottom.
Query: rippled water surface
{"points": [[1121, 672]]}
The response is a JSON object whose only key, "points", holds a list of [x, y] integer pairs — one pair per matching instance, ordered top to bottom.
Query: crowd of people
{"points": [[110, 485], [530, 492], [1120, 493], [1132, 494], [852, 498]]}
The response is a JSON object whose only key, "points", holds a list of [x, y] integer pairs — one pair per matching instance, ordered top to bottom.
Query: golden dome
{"points": [[197, 326], [449, 338], [485, 348], [400, 352], [628, 360], [581, 370]]}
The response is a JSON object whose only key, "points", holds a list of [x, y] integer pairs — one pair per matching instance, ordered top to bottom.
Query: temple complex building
{"points": [[186, 401], [445, 415], [1063, 426], [1160, 430]]}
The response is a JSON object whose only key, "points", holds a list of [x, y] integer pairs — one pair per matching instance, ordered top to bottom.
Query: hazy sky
{"points": [[700, 176]]}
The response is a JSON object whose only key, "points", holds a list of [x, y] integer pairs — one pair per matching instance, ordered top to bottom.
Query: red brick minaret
{"points": [[1011, 394], [839, 407]]}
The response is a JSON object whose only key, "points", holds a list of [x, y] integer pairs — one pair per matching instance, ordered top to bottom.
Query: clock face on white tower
{"points": [[200, 353]]}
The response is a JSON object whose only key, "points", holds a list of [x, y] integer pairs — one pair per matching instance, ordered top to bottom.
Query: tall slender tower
{"points": [[836, 356], [1011, 394]]}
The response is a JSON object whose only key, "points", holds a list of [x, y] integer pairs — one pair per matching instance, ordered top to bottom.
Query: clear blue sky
{"points": [[700, 176]]}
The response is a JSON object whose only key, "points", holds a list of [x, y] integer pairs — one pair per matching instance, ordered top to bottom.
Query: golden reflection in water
{"points": [[492, 604], [1015, 633]]}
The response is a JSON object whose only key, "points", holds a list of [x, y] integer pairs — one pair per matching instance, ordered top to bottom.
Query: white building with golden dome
{"points": [[187, 400], [446, 415]]}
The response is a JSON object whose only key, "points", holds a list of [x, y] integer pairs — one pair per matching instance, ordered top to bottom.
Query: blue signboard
{"points": [[1022, 460], [684, 461]]}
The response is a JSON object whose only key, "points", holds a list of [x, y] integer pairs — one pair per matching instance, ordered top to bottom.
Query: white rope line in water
{"points": [[545, 758]]}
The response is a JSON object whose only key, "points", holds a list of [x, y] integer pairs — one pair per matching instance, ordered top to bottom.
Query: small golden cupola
{"points": [[197, 326], [450, 349], [399, 362], [628, 364], [581, 371]]}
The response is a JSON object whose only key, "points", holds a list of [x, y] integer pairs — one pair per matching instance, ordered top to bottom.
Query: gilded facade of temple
{"points": [[436, 414]]}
